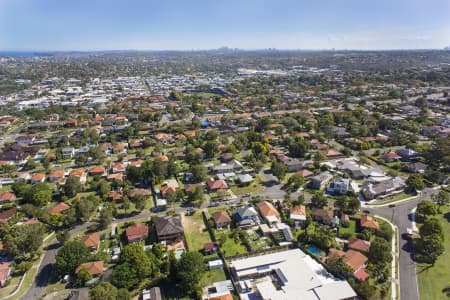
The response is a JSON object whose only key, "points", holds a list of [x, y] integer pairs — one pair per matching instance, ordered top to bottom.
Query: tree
{"points": [[278, 170], [199, 172], [295, 181], [415, 182], [72, 186], [103, 188], [39, 194], [441, 199], [319, 200], [426, 208], [106, 216], [431, 226], [62, 236], [22, 241], [429, 248], [380, 251], [70, 256], [134, 266], [337, 266], [190, 270], [83, 276], [104, 291]]}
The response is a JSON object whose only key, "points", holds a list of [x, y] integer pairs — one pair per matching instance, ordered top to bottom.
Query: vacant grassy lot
{"points": [[195, 231], [347, 231], [230, 247], [212, 276], [432, 279]]}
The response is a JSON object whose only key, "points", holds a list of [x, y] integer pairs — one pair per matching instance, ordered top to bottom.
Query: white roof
{"points": [[302, 275]]}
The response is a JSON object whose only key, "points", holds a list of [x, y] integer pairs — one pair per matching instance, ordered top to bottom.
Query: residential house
{"points": [[120, 148], [68, 152], [330, 153], [406, 153], [390, 157], [292, 164], [231, 166], [416, 167], [118, 168], [97, 171], [305, 173], [80, 174], [56, 176], [23, 177], [37, 177], [118, 177], [244, 179], [320, 181], [170, 184], [216, 184], [339, 186], [382, 189], [115, 196], [7, 197], [58, 208], [269, 212], [7, 214], [298, 214], [246, 216], [322, 216], [221, 219], [367, 221], [169, 229], [136, 232], [92, 241], [359, 245], [355, 260], [94, 268], [5, 272]]}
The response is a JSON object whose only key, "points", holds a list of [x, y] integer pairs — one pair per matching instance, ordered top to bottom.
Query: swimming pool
{"points": [[313, 250]]}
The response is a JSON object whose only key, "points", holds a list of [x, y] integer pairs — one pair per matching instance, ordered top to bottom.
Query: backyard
{"points": [[195, 231], [433, 279]]}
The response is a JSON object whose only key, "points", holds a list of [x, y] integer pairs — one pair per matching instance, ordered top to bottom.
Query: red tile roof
{"points": [[58, 208], [136, 231], [91, 240], [93, 267]]}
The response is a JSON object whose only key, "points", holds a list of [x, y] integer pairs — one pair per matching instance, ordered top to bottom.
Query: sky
{"points": [[64, 25]]}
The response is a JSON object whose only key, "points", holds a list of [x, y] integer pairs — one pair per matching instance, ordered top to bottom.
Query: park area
{"points": [[434, 279]]}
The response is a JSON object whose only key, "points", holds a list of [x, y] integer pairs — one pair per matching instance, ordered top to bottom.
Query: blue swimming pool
{"points": [[313, 250]]}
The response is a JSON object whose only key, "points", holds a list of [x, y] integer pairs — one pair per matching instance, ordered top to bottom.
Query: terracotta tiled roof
{"points": [[97, 170], [77, 173], [305, 173], [7, 196], [58, 208], [267, 209], [298, 210], [221, 217], [367, 221], [136, 231], [91, 240], [359, 245], [354, 259], [93, 267]]}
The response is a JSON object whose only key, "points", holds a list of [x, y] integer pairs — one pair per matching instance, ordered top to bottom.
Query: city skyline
{"points": [[48, 25]]}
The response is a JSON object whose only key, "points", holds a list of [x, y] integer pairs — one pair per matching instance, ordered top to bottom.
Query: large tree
{"points": [[278, 170], [72, 186], [426, 208], [380, 251], [70, 256], [190, 270], [104, 291]]}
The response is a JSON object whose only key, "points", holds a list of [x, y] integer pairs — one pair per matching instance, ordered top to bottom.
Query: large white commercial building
{"points": [[287, 275]]}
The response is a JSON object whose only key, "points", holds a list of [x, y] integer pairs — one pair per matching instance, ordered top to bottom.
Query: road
{"points": [[398, 215], [46, 268]]}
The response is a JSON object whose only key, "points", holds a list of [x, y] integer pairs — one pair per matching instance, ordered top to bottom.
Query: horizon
{"points": [[139, 25]]}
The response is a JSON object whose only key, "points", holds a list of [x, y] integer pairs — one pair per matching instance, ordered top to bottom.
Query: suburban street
{"points": [[407, 267]]}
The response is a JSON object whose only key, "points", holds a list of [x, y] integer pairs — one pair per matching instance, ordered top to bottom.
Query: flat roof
{"points": [[302, 275]]}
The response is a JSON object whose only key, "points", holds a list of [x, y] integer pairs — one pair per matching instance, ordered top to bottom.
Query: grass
{"points": [[253, 188], [195, 231], [347, 231], [229, 247], [212, 276], [432, 279], [27, 282], [5, 291]]}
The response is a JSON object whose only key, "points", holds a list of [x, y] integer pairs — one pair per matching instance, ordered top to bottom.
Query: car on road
{"points": [[246, 195], [391, 205], [366, 211]]}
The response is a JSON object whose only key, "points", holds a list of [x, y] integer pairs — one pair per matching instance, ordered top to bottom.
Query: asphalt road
{"points": [[47, 266], [409, 289]]}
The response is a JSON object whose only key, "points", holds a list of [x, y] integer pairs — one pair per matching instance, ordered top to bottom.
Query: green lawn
{"points": [[253, 188], [195, 231], [347, 231], [229, 247], [212, 276], [433, 279], [5, 291]]}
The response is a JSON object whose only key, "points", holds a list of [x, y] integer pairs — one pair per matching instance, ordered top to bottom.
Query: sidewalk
{"points": [[394, 263]]}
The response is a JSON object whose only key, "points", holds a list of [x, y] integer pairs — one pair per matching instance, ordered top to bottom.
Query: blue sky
{"points": [[207, 24]]}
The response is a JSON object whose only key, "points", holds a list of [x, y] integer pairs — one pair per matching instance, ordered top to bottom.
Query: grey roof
{"points": [[168, 225]]}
